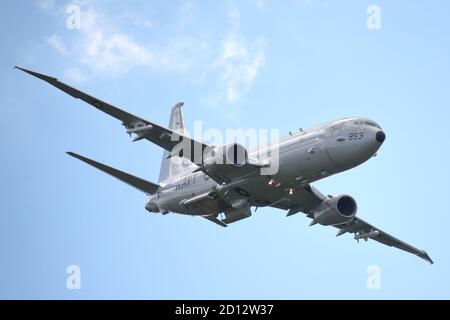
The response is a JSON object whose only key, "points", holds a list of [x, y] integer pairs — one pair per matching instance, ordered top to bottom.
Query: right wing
{"points": [[143, 129], [173, 141], [140, 184], [364, 230]]}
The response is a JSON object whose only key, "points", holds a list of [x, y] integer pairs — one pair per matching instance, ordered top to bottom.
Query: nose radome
{"points": [[380, 136]]}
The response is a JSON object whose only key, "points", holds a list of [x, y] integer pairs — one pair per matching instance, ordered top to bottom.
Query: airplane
{"points": [[223, 183]]}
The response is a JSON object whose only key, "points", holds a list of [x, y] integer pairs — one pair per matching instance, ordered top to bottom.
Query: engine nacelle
{"points": [[229, 154], [336, 210]]}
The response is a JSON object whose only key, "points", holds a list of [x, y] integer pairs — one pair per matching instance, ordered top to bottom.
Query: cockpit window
{"points": [[373, 124]]}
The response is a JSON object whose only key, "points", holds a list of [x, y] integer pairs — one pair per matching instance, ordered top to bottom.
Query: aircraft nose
{"points": [[380, 136]]}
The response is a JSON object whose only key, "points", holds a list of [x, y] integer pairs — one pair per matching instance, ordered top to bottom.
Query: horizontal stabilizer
{"points": [[141, 184]]}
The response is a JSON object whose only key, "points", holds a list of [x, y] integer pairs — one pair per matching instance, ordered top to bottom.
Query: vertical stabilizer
{"points": [[174, 166]]}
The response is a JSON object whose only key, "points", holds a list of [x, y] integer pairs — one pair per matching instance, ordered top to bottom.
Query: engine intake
{"points": [[346, 206], [336, 210]]}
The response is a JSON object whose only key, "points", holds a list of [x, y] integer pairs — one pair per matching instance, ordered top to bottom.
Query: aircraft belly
{"points": [[306, 163], [257, 191], [176, 201], [206, 206]]}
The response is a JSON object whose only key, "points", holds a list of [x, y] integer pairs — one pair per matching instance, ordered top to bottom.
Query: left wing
{"points": [[310, 199], [364, 230]]}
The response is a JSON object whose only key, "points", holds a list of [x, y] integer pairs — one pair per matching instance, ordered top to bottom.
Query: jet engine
{"points": [[230, 154], [224, 161], [335, 210]]}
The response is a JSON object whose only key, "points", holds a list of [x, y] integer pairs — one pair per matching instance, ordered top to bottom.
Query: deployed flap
{"points": [[141, 184], [205, 204], [215, 220]]}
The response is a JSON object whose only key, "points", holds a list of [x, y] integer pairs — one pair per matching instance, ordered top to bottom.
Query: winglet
{"points": [[36, 74], [178, 104], [293, 211], [424, 255]]}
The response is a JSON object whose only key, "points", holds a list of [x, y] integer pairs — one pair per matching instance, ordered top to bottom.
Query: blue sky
{"points": [[247, 64]]}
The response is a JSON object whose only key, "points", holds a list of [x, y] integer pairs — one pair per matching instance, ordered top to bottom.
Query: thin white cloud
{"points": [[303, 3], [311, 3], [46, 4], [260, 4], [136, 19], [55, 41], [100, 47], [99, 50], [115, 53], [240, 61], [239, 65], [75, 74]]}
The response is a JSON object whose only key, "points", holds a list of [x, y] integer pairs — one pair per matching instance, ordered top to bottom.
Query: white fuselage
{"points": [[304, 157]]}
